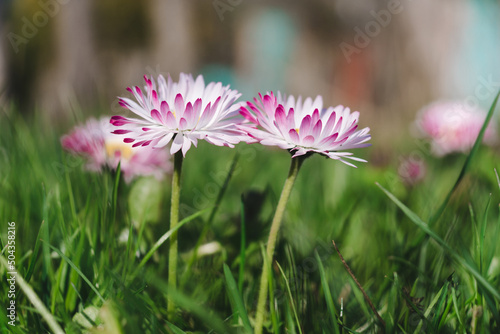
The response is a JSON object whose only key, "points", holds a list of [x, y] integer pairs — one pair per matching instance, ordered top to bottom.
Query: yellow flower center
{"points": [[297, 130], [112, 146]]}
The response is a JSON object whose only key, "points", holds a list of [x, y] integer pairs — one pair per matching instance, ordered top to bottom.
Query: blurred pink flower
{"points": [[185, 112], [304, 126], [453, 126], [95, 142], [411, 170]]}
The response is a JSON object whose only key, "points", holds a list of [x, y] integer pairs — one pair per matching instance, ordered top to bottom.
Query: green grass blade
{"points": [[467, 163], [222, 190], [115, 191], [70, 192], [104, 209], [484, 223], [208, 224], [423, 226], [475, 231], [494, 234], [167, 235], [129, 247], [34, 256], [75, 268], [47, 270], [292, 270], [241, 272], [56, 291], [328, 295], [443, 296], [236, 298], [360, 298], [35, 300], [292, 302], [491, 303], [413, 307], [455, 307], [429, 310], [272, 311], [391, 316], [444, 316], [210, 319], [289, 321], [175, 329]]}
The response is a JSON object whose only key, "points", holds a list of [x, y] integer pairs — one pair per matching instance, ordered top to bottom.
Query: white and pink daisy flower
{"points": [[182, 112], [453, 126], [304, 127], [95, 142]]}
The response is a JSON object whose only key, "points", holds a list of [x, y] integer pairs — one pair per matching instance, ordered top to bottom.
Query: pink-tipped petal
{"points": [[179, 105], [155, 114], [290, 119], [171, 122], [183, 124], [305, 126], [316, 131], [121, 132], [294, 135], [308, 141]]}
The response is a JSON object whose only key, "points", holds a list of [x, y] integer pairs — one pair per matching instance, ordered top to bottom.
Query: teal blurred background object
{"points": [[268, 44], [479, 52]]}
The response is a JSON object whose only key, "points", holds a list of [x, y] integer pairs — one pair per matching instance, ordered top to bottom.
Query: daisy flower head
{"points": [[180, 112], [453, 126], [304, 127], [101, 149]]}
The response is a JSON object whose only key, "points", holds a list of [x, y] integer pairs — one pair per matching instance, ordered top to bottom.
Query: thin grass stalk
{"points": [[271, 243], [35, 300]]}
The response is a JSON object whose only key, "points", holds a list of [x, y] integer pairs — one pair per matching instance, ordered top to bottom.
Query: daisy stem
{"points": [[174, 219], [271, 243]]}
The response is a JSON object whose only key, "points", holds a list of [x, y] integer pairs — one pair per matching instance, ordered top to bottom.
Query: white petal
{"points": [[165, 140], [177, 143], [185, 146]]}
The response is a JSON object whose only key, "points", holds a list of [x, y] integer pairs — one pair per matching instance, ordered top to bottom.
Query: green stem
{"points": [[174, 219], [271, 243]]}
